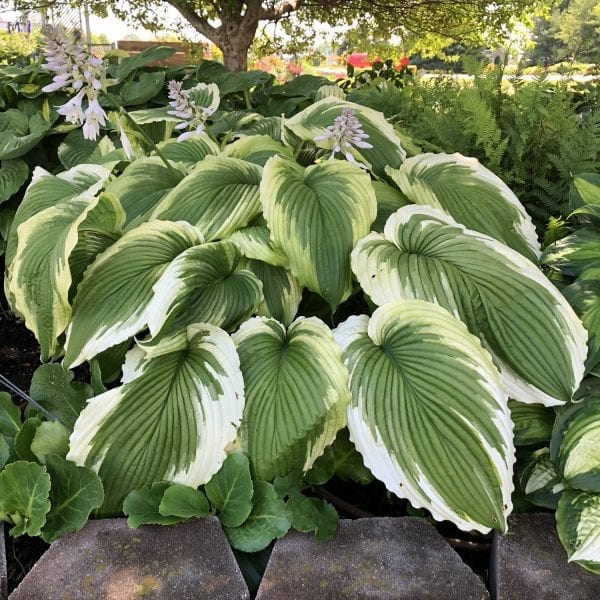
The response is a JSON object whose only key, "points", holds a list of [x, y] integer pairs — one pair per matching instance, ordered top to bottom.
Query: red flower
{"points": [[404, 62]]}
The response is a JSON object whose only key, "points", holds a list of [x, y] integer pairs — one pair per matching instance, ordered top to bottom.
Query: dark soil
{"points": [[19, 351], [19, 358]]}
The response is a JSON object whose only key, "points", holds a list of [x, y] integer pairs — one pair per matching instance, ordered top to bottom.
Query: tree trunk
{"points": [[235, 57]]}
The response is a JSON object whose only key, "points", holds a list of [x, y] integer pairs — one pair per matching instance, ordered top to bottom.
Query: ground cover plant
{"points": [[265, 301]]}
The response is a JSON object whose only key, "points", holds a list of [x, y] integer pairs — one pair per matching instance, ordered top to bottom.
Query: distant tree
{"points": [[232, 24], [578, 28], [571, 32]]}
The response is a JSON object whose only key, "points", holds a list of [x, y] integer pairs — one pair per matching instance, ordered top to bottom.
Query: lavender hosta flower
{"points": [[79, 73], [193, 106], [72, 110], [94, 117], [345, 133]]}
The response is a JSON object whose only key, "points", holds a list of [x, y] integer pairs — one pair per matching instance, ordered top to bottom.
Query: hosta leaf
{"points": [[130, 64], [143, 88], [147, 116], [313, 122], [19, 134], [256, 149], [76, 150], [189, 151], [13, 174], [142, 185], [585, 189], [46, 190], [471, 195], [219, 196], [389, 200], [315, 216], [101, 228], [254, 242], [575, 253], [40, 277], [202, 285], [281, 291], [584, 297], [116, 298], [537, 340], [53, 388], [296, 393], [429, 414], [10, 416], [172, 422], [533, 423], [51, 437], [576, 444], [539, 480], [24, 490], [230, 490], [74, 493], [184, 501], [142, 506], [267, 521], [578, 526]]}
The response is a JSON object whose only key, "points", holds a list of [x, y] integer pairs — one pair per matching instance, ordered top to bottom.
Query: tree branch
{"points": [[198, 21]]}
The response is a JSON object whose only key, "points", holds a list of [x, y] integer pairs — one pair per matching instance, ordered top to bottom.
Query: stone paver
{"points": [[374, 559], [107, 560], [529, 563], [3, 580]]}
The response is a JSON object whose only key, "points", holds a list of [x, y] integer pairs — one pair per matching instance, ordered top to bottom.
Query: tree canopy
{"points": [[232, 24]]}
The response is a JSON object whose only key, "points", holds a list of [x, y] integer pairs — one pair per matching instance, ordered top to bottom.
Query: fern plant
{"points": [[530, 133]]}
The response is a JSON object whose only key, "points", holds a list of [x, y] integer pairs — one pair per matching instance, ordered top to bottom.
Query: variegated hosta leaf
{"points": [[329, 90], [313, 122], [256, 149], [189, 151], [13, 174], [142, 185], [46, 190], [470, 194], [219, 196], [389, 200], [315, 216], [101, 228], [254, 242], [574, 253], [40, 277], [203, 285], [281, 291], [584, 297], [116, 298], [537, 341], [296, 393], [429, 414], [173, 422], [533, 423], [576, 444], [539, 480], [578, 526]]}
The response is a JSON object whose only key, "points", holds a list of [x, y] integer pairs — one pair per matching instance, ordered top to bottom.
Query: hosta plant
{"points": [[271, 286]]}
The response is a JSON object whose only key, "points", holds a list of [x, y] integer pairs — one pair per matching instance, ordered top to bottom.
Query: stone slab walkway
{"points": [[382, 558], [368, 559], [107, 560], [529, 563]]}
